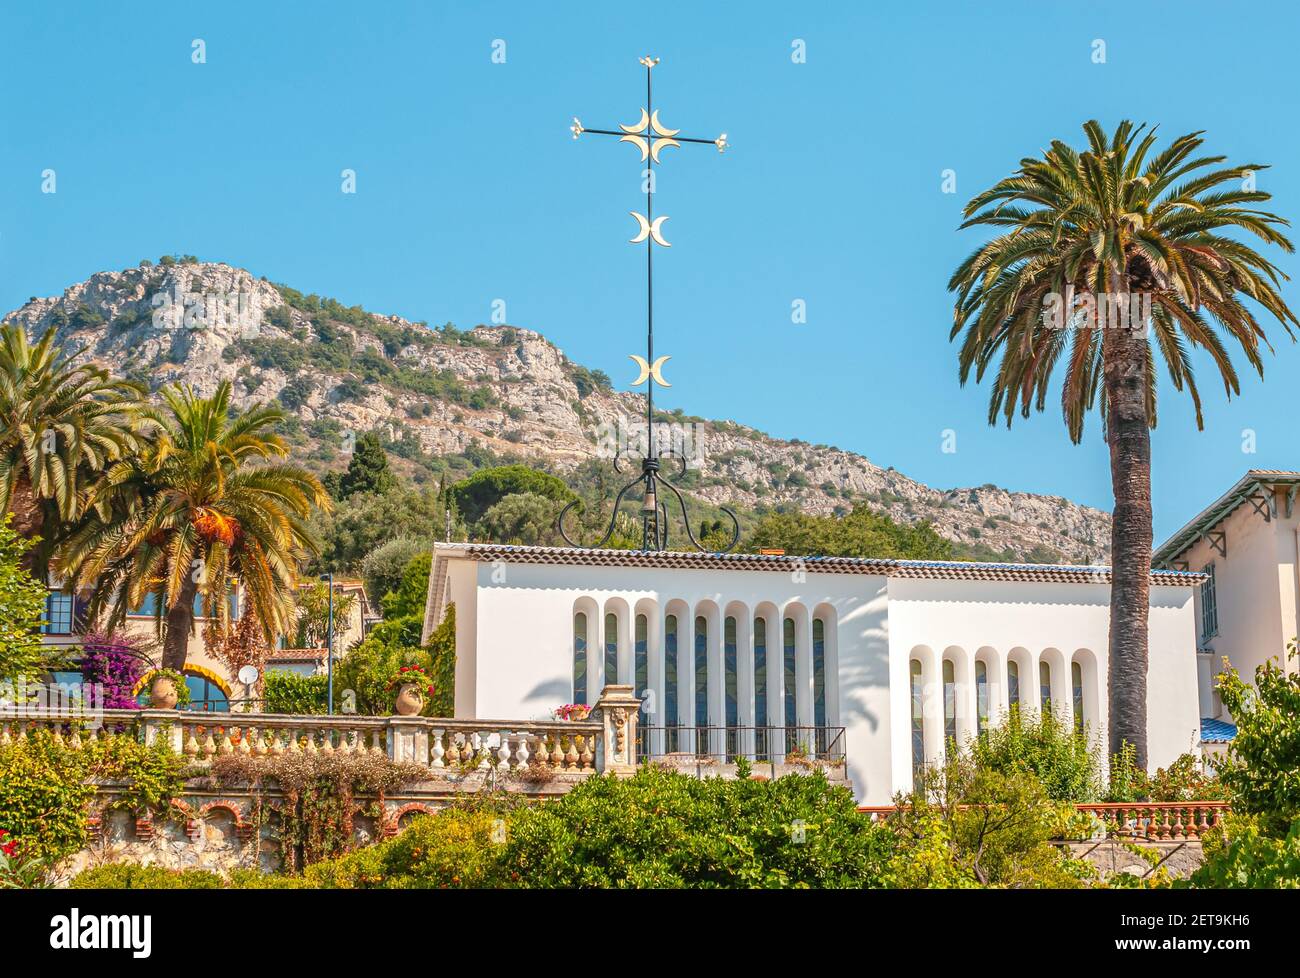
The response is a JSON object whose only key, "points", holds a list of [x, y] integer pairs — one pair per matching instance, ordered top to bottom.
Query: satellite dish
{"points": [[248, 675]]}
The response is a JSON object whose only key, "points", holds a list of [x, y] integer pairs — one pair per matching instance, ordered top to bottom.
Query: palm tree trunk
{"points": [[1128, 433], [29, 518], [178, 624]]}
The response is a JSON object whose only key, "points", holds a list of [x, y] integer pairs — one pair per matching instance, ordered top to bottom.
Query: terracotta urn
{"points": [[162, 694], [410, 700]]}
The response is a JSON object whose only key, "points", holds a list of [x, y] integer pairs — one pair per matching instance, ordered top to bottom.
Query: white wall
{"points": [[1255, 588], [515, 643]]}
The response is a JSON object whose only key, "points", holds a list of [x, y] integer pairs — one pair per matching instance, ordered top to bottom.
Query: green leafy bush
{"points": [[383, 568], [22, 602], [287, 692], [1043, 746], [1262, 769], [43, 796], [993, 824], [665, 829], [1239, 854], [130, 876]]}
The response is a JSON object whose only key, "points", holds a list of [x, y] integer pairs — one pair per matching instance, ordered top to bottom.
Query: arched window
{"points": [[611, 648], [641, 653], [580, 658], [788, 670], [670, 671], [701, 671], [729, 673], [819, 674], [1076, 684], [760, 685], [1013, 685], [1045, 686], [205, 695], [981, 697], [949, 704], [918, 724]]}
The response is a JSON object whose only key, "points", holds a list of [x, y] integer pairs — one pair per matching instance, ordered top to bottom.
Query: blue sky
{"points": [[470, 189]]}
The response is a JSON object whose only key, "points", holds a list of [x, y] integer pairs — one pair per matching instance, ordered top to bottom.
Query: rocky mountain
{"points": [[498, 391]]}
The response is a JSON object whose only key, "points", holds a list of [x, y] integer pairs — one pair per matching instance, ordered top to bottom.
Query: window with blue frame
{"points": [[149, 605], [59, 607], [611, 649], [641, 656], [580, 658], [670, 671], [701, 671], [729, 671], [789, 671], [819, 672], [205, 695], [1076, 695], [949, 704], [918, 724]]}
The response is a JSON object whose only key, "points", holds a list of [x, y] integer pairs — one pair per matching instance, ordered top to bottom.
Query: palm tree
{"points": [[1111, 229], [63, 424], [205, 505]]}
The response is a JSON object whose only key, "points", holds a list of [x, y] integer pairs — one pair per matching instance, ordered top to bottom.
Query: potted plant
{"points": [[411, 683], [168, 690], [572, 712]]}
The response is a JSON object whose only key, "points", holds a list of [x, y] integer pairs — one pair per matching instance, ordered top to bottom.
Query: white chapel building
{"points": [[879, 662]]}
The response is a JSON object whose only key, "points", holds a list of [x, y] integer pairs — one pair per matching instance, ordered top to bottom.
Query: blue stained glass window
{"points": [[611, 649], [641, 655], [580, 658], [670, 671], [701, 671], [729, 671], [789, 671], [819, 672]]}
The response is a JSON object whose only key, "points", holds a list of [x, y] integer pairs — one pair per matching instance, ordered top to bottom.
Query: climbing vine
{"points": [[313, 814]]}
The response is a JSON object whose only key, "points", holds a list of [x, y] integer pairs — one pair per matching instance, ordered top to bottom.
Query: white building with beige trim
{"points": [[1247, 544], [773, 657]]}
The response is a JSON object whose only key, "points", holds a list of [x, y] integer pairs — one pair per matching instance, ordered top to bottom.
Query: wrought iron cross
{"points": [[651, 137]]}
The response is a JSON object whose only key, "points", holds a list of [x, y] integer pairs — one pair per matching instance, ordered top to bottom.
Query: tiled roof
{"points": [[1248, 485], [928, 569], [297, 655], [1216, 731]]}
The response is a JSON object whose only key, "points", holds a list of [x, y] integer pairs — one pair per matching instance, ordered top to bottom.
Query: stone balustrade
{"points": [[524, 748], [1159, 820], [1153, 821]]}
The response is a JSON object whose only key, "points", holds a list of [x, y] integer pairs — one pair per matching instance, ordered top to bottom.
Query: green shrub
{"points": [[383, 568], [287, 692], [1043, 746], [1262, 770], [43, 796], [994, 825], [664, 829], [453, 849], [1239, 854], [129, 876]]}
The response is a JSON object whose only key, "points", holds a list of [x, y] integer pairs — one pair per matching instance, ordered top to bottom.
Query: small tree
{"points": [[368, 470], [22, 602], [314, 614], [1263, 765]]}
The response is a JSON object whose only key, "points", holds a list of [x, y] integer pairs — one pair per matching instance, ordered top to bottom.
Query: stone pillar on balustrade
{"points": [[616, 710], [165, 724], [408, 740]]}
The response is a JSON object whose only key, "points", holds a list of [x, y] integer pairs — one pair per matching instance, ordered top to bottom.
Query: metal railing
{"points": [[707, 748]]}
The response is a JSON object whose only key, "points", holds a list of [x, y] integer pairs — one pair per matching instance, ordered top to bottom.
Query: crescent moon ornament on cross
{"points": [[649, 229], [655, 370], [652, 492]]}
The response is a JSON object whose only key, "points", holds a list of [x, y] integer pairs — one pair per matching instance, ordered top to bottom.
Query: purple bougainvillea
{"points": [[114, 661]]}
